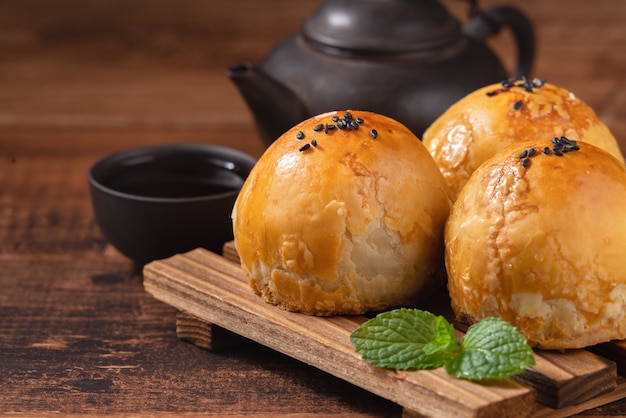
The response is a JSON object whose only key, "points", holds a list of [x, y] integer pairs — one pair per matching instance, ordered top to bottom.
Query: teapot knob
{"points": [[484, 23]]}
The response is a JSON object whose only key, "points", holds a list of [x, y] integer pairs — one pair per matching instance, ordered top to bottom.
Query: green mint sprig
{"points": [[406, 339]]}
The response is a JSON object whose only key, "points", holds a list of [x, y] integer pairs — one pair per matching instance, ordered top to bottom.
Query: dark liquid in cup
{"points": [[173, 180]]}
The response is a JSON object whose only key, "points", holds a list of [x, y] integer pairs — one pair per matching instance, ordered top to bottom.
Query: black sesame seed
{"points": [[539, 82], [526, 83], [507, 84], [492, 93], [518, 105], [347, 116], [335, 118], [359, 120], [341, 124], [355, 125], [318, 127], [328, 127], [374, 133], [300, 135], [568, 141], [314, 142], [304, 147], [546, 150], [532, 152], [557, 152], [523, 154], [525, 162]]}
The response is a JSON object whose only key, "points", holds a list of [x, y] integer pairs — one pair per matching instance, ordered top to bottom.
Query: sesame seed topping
{"points": [[524, 83], [527, 84], [518, 105], [348, 121], [300, 135], [560, 146], [304, 147]]}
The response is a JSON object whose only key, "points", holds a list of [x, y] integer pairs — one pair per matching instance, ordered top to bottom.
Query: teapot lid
{"points": [[387, 26]]}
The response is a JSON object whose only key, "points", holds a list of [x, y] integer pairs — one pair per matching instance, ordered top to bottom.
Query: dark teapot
{"points": [[406, 59]]}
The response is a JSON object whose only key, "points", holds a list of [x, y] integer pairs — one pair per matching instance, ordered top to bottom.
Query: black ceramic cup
{"points": [[157, 201]]}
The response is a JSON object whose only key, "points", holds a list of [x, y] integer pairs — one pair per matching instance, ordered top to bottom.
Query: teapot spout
{"points": [[275, 107]]}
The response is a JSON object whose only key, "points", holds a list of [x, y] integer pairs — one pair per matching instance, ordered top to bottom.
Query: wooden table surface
{"points": [[80, 79]]}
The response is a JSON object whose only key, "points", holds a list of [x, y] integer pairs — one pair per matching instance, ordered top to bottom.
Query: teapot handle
{"points": [[485, 23]]}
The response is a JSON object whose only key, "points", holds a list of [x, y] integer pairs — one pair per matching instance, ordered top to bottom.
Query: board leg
{"points": [[205, 334], [407, 413]]}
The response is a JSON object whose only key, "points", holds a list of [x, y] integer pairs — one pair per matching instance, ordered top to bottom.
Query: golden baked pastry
{"points": [[488, 119], [343, 214], [537, 237]]}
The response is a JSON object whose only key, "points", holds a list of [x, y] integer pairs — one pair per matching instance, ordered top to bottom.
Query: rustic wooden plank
{"points": [[82, 78], [205, 285], [204, 334], [614, 350], [570, 377], [560, 378], [599, 401]]}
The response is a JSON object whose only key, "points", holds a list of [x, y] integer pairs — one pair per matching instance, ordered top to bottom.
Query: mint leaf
{"points": [[406, 339], [491, 349]]}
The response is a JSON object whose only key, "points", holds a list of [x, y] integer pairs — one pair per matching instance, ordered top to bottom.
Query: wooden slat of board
{"points": [[213, 289], [614, 350], [570, 377], [559, 378], [563, 380], [542, 411], [567, 411]]}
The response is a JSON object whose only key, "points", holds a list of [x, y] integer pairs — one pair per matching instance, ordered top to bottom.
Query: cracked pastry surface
{"points": [[495, 116], [343, 214], [539, 240]]}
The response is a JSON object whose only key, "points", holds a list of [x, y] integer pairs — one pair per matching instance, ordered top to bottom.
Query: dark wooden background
{"points": [[80, 79]]}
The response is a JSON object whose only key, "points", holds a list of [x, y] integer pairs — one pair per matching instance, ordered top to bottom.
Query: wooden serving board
{"points": [[217, 308]]}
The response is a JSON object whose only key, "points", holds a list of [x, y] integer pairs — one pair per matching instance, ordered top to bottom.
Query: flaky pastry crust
{"points": [[493, 117], [338, 219], [539, 240]]}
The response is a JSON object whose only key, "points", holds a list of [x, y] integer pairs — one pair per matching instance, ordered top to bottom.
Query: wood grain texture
{"points": [[80, 79], [215, 290], [570, 378], [560, 379]]}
